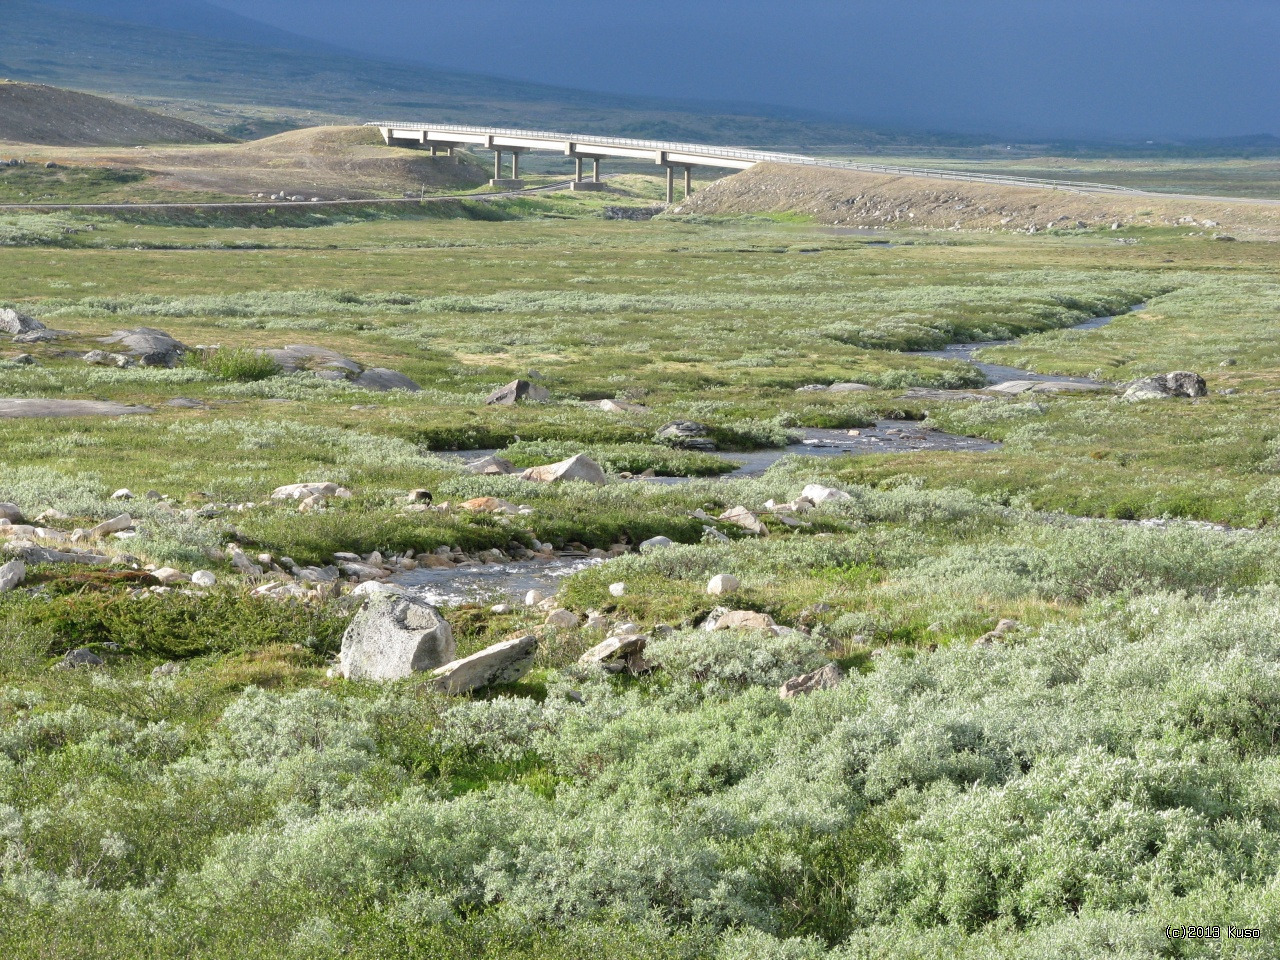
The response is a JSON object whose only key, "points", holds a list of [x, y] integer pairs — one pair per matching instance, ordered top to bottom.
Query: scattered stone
{"points": [[14, 323], [151, 347], [24, 360], [1180, 383], [849, 388], [516, 391], [187, 403], [620, 406], [686, 435], [491, 466], [579, 467], [303, 491], [124, 493], [816, 493], [419, 496], [488, 505], [12, 513], [744, 518], [114, 525], [656, 543], [236, 557], [12, 574], [169, 576], [204, 578], [723, 584], [618, 589], [533, 598], [500, 608], [562, 620], [743, 620], [393, 636], [994, 636], [615, 647], [80, 657], [504, 662], [169, 669], [824, 678]]}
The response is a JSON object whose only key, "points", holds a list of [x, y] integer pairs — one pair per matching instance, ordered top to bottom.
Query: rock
{"points": [[14, 323], [151, 347], [297, 357], [24, 360], [382, 379], [1180, 383], [849, 388], [516, 391], [620, 406], [67, 408], [686, 435], [491, 466], [579, 467], [303, 491], [124, 493], [817, 493], [420, 496], [488, 505], [11, 512], [744, 518], [114, 525], [656, 543], [32, 554], [236, 557], [12, 574], [169, 575], [204, 578], [723, 584], [371, 587], [617, 589], [533, 598], [500, 608], [561, 620], [744, 620], [392, 636], [993, 636], [615, 647], [80, 658], [504, 662], [169, 669], [824, 678]]}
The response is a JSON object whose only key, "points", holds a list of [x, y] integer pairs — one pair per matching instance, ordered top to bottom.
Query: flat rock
{"points": [[15, 324], [43, 336], [149, 346], [303, 356], [380, 378], [1180, 383], [1016, 387], [849, 388], [516, 391], [928, 393], [620, 406], [11, 409], [686, 435], [491, 466], [578, 467], [302, 491], [816, 493], [488, 505], [744, 518], [114, 525], [32, 554], [744, 620], [392, 637], [615, 648], [80, 658], [504, 662], [824, 678]]}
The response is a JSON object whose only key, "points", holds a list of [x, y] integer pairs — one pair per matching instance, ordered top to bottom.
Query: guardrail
{"points": [[766, 156]]}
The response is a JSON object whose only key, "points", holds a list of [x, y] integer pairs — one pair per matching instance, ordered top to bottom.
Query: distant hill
{"points": [[187, 57], [32, 113]]}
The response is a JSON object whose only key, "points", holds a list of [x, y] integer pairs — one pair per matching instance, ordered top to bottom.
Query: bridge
{"points": [[685, 156]]}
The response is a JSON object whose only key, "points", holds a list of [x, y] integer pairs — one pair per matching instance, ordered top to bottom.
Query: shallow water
{"points": [[495, 582]]}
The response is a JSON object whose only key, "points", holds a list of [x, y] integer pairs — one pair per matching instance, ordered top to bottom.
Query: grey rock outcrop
{"points": [[15, 324], [149, 346], [330, 365], [382, 379], [1180, 383], [516, 391], [39, 407], [686, 435], [491, 466], [579, 467], [11, 512], [12, 574], [742, 620], [392, 637], [615, 648], [79, 658], [504, 662], [824, 678]]}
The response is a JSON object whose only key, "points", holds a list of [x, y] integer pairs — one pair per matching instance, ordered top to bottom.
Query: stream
{"points": [[478, 581]]}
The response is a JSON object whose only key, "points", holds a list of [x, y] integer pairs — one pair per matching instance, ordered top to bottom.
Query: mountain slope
{"points": [[31, 113]]}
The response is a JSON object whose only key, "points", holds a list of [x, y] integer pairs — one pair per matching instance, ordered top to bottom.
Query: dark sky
{"points": [[1132, 68]]}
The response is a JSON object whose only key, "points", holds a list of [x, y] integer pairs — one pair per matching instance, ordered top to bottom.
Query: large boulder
{"points": [[14, 323], [149, 346], [303, 356], [1180, 383], [516, 391], [686, 435], [492, 465], [579, 467], [817, 493], [11, 512], [12, 574], [742, 620], [392, 637], [504, 662], [824, 678]]}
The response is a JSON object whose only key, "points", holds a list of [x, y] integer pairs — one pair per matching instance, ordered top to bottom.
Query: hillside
{"points": [[33, 113], [331, 162], [851, 198]]}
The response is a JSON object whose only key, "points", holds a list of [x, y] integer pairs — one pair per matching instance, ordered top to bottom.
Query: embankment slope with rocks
{"points": [[856, 199]]}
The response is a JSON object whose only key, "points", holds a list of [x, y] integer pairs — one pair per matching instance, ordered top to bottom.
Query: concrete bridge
{"points": [[681, 157]]}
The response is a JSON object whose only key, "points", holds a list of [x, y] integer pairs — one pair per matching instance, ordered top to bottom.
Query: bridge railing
{"points": [[761, 156]]}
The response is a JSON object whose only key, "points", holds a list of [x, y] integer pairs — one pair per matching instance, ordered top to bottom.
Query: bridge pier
{"points": [[688, 182], [671, 184]]}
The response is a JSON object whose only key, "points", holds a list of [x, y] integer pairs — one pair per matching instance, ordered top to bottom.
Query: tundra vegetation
{"points": [[1062, 787]]}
